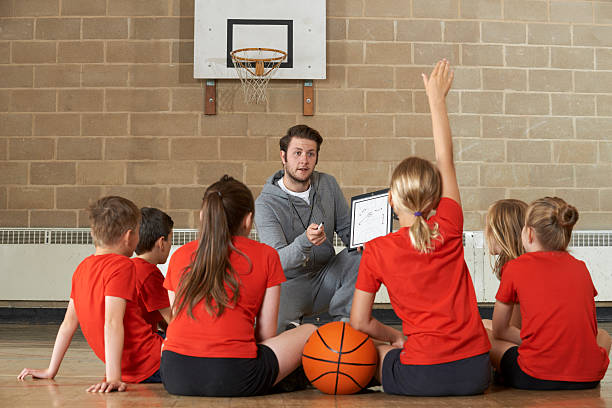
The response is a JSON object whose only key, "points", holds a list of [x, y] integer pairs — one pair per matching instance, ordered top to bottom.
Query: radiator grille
{"points": [[66, 236], [82, 236], [182, 236], [591, 239]]}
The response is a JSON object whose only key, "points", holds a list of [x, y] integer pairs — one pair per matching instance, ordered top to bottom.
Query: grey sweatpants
{"points": [[330, 289]]}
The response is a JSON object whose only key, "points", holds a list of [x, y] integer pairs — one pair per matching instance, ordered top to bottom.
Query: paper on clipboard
{"points": [[371, 217]]}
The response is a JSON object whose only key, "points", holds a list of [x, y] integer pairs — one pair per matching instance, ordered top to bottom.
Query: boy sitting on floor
{"points": [[153, 249], [103, 300]]}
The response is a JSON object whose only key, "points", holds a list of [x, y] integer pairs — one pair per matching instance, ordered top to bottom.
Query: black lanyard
{"points": [[298, 214]]}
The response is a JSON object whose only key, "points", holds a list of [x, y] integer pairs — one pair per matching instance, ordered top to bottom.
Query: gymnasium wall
{"points": [[97, 97]]}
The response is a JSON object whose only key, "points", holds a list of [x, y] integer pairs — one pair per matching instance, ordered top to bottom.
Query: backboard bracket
{"points": [[210, 97], [308, 98]]}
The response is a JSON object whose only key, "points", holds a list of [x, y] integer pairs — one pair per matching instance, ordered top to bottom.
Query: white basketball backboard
{"points": [[294, 26]]}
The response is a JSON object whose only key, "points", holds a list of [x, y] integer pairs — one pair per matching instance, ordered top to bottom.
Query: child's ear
{"points": [[247, 222], [531, 232], [528, 237], [130, 240], [161, 241]]}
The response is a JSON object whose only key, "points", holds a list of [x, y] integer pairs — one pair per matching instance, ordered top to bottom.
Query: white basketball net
{"points": [[255, 67]]}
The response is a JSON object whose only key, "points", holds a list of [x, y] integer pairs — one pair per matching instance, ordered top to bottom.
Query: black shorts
{"points": [[468, 376], [513, 376], [219, 377]]}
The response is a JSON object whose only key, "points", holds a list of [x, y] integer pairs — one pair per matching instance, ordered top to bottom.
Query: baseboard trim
{"points": [[50, 315]]}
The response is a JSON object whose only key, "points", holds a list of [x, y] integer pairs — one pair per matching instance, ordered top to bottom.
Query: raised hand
{"points": [[439, 82], [437, 86]]}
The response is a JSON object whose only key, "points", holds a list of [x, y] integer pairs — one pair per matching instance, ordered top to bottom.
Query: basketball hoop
{"points": [[255, 67]]}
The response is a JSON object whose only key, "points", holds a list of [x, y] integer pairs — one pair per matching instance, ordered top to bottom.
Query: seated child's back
{"points": [[153, 248], [95, 278], [431, 292], [559, 328], [231, 334], [558, 345]]}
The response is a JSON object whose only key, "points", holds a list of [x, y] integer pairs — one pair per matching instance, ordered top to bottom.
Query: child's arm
{"points": [[437, 86], [171, 296], [114, 311], [166, 313], [267, 318], [361, 319], [502, 329], [62, 342]]}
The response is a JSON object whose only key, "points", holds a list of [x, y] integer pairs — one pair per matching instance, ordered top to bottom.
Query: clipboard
{"points": [[371, 217]]}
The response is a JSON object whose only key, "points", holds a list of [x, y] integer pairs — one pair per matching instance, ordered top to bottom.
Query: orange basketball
{"points": [[338, 359]]}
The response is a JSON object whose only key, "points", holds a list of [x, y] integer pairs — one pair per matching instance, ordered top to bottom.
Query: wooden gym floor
{"points": [[31, 345]]}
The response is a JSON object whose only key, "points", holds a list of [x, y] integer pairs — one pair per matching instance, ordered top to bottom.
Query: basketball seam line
{"points": [[341, 352], [339, 358], [334, 362], [332, 372]]}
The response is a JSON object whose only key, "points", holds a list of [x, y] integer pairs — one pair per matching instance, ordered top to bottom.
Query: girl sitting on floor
{"points": [[504, 224], [221, 341], [559, 346], [443, 349]]}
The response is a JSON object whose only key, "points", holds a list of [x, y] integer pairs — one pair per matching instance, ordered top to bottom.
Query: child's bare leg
{"points": [[515, 320], [488, 324], [603, 339], [288, 347], [498, 349], [382, 350]]}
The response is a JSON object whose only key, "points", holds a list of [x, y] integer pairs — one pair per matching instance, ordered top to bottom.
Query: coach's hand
{"points": [[315, 234]]}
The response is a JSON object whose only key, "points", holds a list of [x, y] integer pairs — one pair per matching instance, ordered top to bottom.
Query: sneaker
{"points": [[292, 325], [296, 381]]}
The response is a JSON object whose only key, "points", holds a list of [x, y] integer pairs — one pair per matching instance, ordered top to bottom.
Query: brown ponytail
{"points": [[416, 187], [552, 220], [211, 277]]}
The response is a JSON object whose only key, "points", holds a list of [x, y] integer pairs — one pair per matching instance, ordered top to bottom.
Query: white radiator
{"points": [[37, 263]]}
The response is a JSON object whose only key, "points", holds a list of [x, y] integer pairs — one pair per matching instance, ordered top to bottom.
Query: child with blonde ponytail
{"points": [[221, 340], [443, 346], [559, 346]]}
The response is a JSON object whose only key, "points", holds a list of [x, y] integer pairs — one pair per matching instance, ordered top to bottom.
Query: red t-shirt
{"points": [[180, 259], [113, 275], [150, 291], [431, 293], [559, 325], [232, 334]]}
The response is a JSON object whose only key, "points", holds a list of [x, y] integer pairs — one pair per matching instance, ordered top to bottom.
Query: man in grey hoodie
{"points": [[297, 213]]}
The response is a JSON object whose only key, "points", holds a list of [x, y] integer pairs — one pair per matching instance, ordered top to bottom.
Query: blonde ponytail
{"points": [[416, 188], [422, 236]]}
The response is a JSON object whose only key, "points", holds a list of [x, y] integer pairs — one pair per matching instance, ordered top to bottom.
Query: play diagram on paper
{"points": [[370, 217]]}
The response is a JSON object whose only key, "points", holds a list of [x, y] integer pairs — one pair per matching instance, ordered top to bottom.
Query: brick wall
{"points": [[97, 97]]}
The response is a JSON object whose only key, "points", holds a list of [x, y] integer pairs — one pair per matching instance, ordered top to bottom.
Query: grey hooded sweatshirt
{"points": [[282, 219]]}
